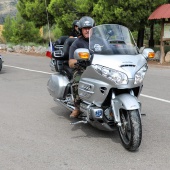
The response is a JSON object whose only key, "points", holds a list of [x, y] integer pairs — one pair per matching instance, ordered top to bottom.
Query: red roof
{"points": [[162, 11]]}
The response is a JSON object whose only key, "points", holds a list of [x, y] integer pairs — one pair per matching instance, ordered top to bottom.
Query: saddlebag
{"points": [[56, 85]]}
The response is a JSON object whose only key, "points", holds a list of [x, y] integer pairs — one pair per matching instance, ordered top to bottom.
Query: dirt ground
{"points": [[157, 63]]}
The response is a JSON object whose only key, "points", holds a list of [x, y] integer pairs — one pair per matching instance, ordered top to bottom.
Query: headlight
{"points": [[114, 75], [139, 76]]}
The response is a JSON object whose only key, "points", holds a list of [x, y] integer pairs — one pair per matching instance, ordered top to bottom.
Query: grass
{"points": [[27, 44]]}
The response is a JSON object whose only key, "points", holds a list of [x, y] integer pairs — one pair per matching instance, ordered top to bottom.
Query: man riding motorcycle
{"points": [[85, 24], [109, 88]]}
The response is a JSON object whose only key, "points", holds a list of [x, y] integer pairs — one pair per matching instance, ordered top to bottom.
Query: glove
{"points": [[83, 63]]}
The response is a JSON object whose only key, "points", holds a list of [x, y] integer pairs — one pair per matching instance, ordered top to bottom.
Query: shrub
{"points": [[18, 30], [52, 33]]}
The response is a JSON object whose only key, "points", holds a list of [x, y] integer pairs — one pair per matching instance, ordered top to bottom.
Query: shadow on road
{"points": [[89, 130]]}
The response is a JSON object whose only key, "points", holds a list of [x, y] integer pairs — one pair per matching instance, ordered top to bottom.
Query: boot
{"points": [[75, 113]]}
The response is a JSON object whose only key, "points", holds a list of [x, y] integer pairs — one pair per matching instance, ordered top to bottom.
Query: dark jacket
{"points": [[74, 33], [80, 42]]}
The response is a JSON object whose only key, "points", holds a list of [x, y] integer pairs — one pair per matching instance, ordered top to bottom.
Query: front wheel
{"points": [[130, 130]]}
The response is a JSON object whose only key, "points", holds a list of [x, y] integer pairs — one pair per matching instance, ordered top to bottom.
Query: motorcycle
{"points": [[1, 62], [110, 85]]}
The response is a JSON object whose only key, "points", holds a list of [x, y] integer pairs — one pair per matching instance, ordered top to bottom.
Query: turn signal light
{"points": [[84, 55], [151, 55]]}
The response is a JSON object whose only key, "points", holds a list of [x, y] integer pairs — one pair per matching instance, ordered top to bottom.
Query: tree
{"points": [[35, 11], [65, 12], [131, 13], [7, 30], [18, 30]]}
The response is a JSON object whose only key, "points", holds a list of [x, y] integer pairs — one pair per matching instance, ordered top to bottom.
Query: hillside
{"points": [[7, 7]]}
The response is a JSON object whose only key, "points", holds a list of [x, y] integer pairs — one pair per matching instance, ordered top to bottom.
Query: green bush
{"points": [[17, 30], [57, 31], [52, 33], [135, 35], [156, 35], [166, 48]]}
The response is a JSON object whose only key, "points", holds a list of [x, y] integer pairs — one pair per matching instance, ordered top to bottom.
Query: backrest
{"points": [[62, 39], [58, 45], [66, 47]]}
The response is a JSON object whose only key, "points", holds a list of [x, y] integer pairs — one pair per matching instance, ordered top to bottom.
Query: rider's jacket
{"points": [[78, 43]]}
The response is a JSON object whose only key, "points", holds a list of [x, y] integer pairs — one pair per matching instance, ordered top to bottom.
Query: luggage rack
{"points": [[58, 47], [58, 50], [61, 51], [57, 53]]}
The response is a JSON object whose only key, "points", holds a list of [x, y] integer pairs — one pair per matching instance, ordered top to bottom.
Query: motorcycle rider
{"points": [[85, 24], [75, 32]]}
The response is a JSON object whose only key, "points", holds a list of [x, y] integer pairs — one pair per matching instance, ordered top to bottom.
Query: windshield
{"points": [[112, 39]]}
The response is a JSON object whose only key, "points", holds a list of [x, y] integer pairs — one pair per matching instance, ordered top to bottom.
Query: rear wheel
{"points": [[56, 65], [130, 130]]}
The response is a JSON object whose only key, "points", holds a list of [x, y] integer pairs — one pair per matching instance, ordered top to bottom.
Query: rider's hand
{"points": [[72, 63], [82, 63]]}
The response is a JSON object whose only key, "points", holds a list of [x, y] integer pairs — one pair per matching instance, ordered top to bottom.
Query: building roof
{"points": [[161, 12]]}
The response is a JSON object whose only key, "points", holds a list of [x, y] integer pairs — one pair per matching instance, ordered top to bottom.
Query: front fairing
{"points": [[112, 39], [112, 46], [129, 64], [94, 88]]}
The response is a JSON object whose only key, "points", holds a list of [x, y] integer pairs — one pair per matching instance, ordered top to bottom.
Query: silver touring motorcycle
{"points": [[110, 85]]}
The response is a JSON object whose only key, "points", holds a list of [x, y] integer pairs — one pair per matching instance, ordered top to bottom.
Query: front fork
{"points": [[124, 101]]}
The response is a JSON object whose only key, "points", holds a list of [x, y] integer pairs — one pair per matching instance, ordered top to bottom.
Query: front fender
{"points": [[126, 102]]}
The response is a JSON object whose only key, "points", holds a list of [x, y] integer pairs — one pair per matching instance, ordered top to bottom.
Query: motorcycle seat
{"points": [[58, 45], [66, 47], [64, 69]]}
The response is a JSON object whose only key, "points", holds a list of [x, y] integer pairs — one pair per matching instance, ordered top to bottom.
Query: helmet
{"points": [[85, 22], [75, 23]]}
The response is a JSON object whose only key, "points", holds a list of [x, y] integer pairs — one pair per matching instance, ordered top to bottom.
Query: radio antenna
{"points": [[48, 24]]}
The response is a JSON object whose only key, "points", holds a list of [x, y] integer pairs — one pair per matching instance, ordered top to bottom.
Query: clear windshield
{"points": [[112, 39]]}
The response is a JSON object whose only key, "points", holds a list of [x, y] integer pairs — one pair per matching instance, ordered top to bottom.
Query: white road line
{"points": [[28, 69], [143, 95], [155, 98]]}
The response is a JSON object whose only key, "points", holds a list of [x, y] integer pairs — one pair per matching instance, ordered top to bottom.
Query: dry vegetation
{"points": [[7, 7]]}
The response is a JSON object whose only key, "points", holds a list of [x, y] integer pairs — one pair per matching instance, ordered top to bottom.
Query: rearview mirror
{"points": [[147, 52], [82, 54]]}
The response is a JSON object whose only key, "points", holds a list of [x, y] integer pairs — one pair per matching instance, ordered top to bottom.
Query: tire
{"points": [[0, 64], [56, 66], [131, 129]]}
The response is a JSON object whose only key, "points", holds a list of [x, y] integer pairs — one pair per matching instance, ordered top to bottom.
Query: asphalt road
{"points": [[35, 132]]}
